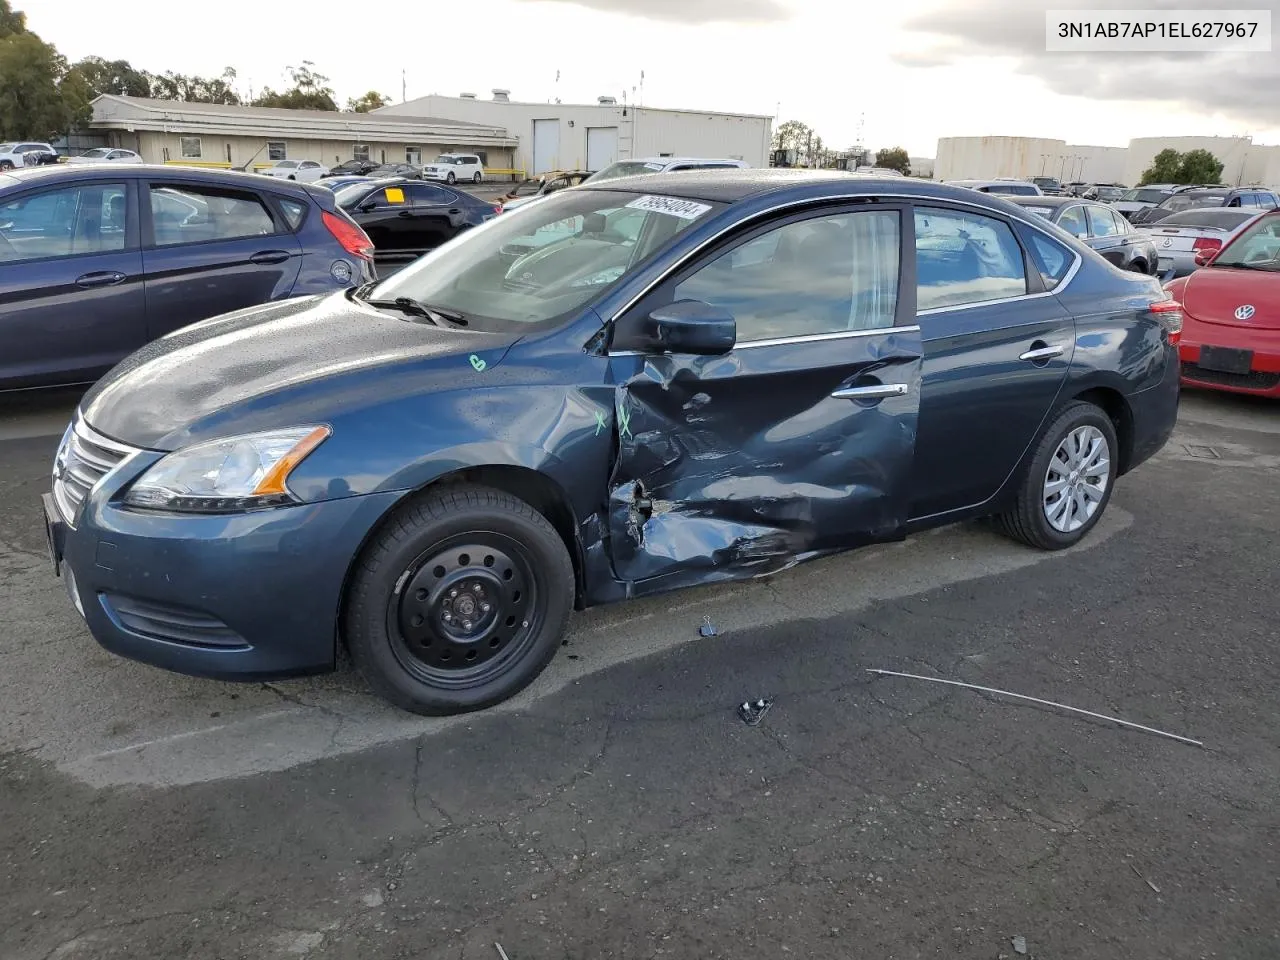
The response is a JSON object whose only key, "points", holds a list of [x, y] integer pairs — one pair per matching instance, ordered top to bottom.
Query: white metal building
{"points": [[577, 136], [963, 158]]}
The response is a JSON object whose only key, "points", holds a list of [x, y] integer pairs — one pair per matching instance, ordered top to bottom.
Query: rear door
{"points": [[434, 213], [1105, 234], [209, 250], [71, 282], [997, 347], [800, 439]]}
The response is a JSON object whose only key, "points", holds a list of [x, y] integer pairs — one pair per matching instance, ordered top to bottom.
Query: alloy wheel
{"points": [[1076, 482]]}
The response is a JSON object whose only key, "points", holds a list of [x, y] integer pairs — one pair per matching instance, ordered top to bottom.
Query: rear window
{"points": [[1015, 189], [1145, 196], [295, 211], [1046, 212], [1209, 217]]}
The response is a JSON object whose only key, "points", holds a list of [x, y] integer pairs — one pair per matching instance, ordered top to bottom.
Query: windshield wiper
{"points": [[1247, 266], [413, 308]]}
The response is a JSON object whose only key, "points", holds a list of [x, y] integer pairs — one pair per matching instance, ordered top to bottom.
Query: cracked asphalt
{"points": [[619, 808]]}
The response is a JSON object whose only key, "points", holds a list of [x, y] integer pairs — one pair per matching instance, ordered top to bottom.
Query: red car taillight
{"points": [[497, 208], [354, 240], [1207, 244], [1169, 312]]}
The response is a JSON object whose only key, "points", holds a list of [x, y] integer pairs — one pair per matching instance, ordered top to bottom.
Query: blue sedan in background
{"points": [[98, 259], [617, 391]]}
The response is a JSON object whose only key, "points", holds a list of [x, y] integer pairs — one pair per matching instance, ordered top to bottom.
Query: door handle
{"points": [[455, 211], [404, 214], [270, 256], [105, 278], [1042, 352], [876, 391]]}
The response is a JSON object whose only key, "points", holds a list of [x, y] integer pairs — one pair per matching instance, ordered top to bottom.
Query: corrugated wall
{"points": [[702, 135]]}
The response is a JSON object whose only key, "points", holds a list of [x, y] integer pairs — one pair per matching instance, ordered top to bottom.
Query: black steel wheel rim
{"points": [[465, 610]]}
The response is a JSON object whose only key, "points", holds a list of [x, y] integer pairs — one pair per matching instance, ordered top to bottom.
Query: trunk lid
{"points": [[1233, 297]]}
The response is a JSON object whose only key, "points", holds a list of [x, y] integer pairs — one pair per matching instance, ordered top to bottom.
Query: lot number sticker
{"points": [[394, 195], [684, 209]]}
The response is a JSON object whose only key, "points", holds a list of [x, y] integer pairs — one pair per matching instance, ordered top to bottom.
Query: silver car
{"points": [[1180, 237]]}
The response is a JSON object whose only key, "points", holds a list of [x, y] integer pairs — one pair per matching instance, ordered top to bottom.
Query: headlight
{"points": [[227, 476]]}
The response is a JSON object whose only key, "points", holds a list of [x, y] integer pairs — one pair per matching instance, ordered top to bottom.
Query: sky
{"points": [[899, 73]]}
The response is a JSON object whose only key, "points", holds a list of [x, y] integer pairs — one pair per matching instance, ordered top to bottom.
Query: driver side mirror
{"points": [[366, 206], [686, 326]]}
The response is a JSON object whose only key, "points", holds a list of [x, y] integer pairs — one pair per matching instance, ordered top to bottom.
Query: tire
{"points": [[6, 164], [292, 177], [451, 178], [477, 178], [1138, 266], [1027, 519], [454, 552]]}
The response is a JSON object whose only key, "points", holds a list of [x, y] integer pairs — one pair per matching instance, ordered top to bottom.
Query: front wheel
{"points": [[6, 164], [1069, 482], [460, 602]]}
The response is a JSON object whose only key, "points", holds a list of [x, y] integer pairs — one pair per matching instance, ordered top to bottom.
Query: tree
{"points": [[11, 21], [112, 76], [177, 86], [310, 91], [370, 101], [32, 105], [792, 135], [894, 158], [1199, 166], [1163, 169]]}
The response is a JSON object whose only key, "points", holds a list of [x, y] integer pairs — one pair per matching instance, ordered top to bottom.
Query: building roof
{"points": [[402, 109], [114, 112]]}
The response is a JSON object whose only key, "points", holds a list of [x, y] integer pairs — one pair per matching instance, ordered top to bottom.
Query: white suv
{"points": [[11, 153], [452, 167]]}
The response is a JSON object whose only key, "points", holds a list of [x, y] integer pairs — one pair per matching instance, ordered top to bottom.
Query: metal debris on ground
{"points": [[707, 629], [1047, 703], [753, 712], [1144, 879], [1020, 944], [502, 953]]}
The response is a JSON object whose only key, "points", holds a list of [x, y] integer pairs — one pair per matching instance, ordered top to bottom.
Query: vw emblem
{"points": [[1168, 242], [1245, 312]]}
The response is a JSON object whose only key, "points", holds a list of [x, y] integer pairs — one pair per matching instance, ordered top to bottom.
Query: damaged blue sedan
{"points": [[620, 390]]}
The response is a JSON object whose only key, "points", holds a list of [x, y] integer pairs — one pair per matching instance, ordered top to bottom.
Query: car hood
{"points": [[1213, 294], [277, 365]]}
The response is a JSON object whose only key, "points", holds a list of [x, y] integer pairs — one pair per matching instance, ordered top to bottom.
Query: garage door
{"points": [[546, 145], [602, 147]]}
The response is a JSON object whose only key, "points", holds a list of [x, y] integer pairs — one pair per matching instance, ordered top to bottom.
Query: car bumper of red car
{"points": [[1256, 373]]}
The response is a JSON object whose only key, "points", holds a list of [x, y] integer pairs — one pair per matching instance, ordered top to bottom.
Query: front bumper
{"points": [[1263, 376], [248, 596]]}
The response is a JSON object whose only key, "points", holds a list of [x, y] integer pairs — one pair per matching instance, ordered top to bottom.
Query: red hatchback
{"points": [[1231, 307]]}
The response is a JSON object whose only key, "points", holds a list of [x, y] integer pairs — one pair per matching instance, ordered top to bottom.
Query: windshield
{"points": [[96, 152], [286, 163], [624, 168], [351, 193], [1110, 193], [1144, 196], [1189, 201], [1257, 247], [542, 262]]}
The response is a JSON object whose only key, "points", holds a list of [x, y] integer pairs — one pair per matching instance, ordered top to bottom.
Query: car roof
{"points": [[30, 176], [733, 184]]}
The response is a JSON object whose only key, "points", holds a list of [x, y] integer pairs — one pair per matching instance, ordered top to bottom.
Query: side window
{"points": [[190, 148], [277, 150], [426, 195], [1267, 200], [295, 211], [182, 213], [1072, 221], [62, 223], [1102, 223], [965, 258], [1051, 258], [822, 275]]}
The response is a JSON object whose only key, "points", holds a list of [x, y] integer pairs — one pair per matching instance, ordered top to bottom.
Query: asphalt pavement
{"points": [[620, 807]]}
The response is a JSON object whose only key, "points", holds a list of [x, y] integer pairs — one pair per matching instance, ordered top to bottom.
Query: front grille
{"points": [[1253, 380], [84, 458], [164, 621]]}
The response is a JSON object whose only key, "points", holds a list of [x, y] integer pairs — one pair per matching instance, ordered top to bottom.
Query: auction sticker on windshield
{"points": [[684, 209]]}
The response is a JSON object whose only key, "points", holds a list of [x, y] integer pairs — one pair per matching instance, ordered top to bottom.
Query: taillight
{"points": [[497, 208], [354, 240], [1207, 244], [1169, 313]]}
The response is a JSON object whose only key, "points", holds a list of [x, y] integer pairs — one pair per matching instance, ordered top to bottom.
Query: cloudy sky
{"points": [[912, 70]]}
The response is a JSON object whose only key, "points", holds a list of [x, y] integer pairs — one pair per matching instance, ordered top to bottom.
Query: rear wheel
{"points": [[451, 178], [477, 178], [1138, 266], [1068, 485], [460, 602]]}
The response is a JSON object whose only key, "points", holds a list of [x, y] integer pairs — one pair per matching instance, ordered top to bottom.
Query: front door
{"points": [[1106, 234], [209, 250], [71, 284], [797, 442]]}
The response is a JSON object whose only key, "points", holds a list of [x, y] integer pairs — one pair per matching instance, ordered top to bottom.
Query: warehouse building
{"points": [[211, 134], [563, 136], [961, 158]]}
